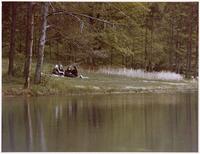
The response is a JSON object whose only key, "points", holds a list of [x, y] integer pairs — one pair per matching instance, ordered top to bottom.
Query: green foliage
{"points": [[125, 32]]}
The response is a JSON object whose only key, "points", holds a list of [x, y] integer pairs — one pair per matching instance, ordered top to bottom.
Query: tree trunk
{"points": [[27, 35], [12, 41], [20, 42], [35, 44], [29, 45], [189, 47], [172, 48], [50, 49], [145, 49], [151, 49], [57, 50], [40, 53], [176, 54], [69, 55], [132, 55], [74, 56], [196, 56], [111, 58], [126, 61], [123, 62], [132, 63]]}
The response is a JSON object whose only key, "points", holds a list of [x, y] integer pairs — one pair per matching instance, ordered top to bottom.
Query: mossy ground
{"points": [[96, 83]]}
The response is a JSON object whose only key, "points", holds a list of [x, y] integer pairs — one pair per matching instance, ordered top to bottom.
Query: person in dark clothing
{"points": [[58, 70], [74, 71], [71, 72]]}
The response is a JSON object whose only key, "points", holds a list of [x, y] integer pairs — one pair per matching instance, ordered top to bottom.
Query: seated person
{"points": [[61, 68], [57, 70], [74, 71], [71, 72]]}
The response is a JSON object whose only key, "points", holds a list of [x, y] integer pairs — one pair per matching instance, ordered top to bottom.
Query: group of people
{"points": [[71, 71]]}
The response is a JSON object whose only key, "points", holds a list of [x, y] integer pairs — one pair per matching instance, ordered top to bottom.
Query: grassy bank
{"points": [[97, 82]]}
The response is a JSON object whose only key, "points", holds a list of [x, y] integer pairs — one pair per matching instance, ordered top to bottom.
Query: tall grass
{"points": [[163, 75]]}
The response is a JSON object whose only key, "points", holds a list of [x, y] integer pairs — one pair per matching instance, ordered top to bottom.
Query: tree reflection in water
{"points": [[72, 108], [94, 116], [146, 122], [28, 125], [40, 125], [11, 130]]}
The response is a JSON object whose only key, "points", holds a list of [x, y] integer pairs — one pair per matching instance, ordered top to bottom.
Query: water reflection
{"points": [[72, 107], [94, 116], [137, 122], [28, 125], [40, 126], [11, 130]]}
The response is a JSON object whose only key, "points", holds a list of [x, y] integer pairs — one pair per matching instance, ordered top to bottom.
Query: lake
{"points": [[118, 122]]}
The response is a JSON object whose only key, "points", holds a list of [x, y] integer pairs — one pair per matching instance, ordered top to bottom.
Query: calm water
{"points": [[131, 122]]}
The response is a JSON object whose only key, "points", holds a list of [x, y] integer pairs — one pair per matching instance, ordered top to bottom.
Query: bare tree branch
{"points": [[52, 6], [122, 12], [85, 16], [81, 22]]}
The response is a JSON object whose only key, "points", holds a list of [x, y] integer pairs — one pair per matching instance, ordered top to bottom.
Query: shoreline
{"points": [[29, 93]]}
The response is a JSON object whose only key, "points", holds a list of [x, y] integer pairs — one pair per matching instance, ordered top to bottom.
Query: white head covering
{"points": [[56, 66], [61, 66]]}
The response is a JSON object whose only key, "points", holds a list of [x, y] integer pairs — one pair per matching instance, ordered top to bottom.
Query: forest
{"points": [[149, 36]]}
